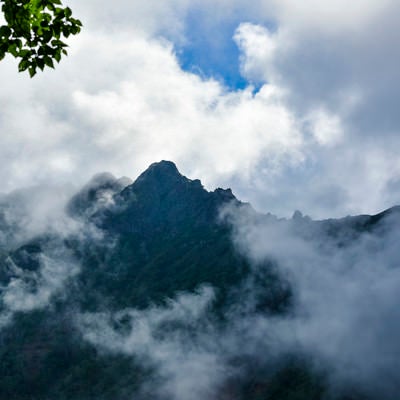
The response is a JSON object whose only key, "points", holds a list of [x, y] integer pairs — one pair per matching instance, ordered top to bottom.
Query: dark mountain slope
{"points": [[162, 235], [138, 245]]}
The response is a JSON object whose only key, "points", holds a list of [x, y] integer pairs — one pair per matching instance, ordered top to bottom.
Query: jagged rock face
{"points": [[161, 198], [167, 237]]}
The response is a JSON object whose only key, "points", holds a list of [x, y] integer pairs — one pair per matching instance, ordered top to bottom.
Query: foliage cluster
{"points": [[35, 32]]}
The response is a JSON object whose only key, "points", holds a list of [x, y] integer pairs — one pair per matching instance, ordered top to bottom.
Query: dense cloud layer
{"points": [[320, 133], [345, 291]]}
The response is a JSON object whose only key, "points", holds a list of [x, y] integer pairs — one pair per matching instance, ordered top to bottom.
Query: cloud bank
{"points": [[315, 129], [345, 286]]}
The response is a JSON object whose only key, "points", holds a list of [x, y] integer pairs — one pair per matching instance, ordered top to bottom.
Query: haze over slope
{"points": [[160, 289]]}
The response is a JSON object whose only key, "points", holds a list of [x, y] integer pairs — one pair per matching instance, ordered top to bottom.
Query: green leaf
{"points": [[68, 12], [5, 31], [65, 31], [32, 32], [12, 49], [24, 53], [57, 56], [49, 62], [40, 63], [23, 65], [32, 71]]}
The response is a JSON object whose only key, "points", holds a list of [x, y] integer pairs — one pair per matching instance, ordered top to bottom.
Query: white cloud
{"points": [[330, 17], [150, 18], [258, 47], [121, 101], [169, 113], [124, 115], [325, 127], [345, 289], [31, 291], [188, 365]]}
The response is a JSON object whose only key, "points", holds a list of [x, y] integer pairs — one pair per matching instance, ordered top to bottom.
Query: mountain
{"points": [[158, 256]]}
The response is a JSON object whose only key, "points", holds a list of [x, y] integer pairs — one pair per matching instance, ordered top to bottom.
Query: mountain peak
{"points": [[164, 166], [163, 171], [161, 176], [162, 197]]}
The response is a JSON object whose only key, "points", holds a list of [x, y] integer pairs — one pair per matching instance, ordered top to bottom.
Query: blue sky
{"points": [[209, 49], [213, 55], [217, 59], [291, 104]]}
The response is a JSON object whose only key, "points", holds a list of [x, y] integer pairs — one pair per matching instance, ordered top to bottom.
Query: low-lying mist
{"points": [[345, 282], [340, 316], [343, 316]]}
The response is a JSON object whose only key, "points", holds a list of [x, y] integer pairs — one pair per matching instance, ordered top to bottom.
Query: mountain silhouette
{"points": [[137, 246]]}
